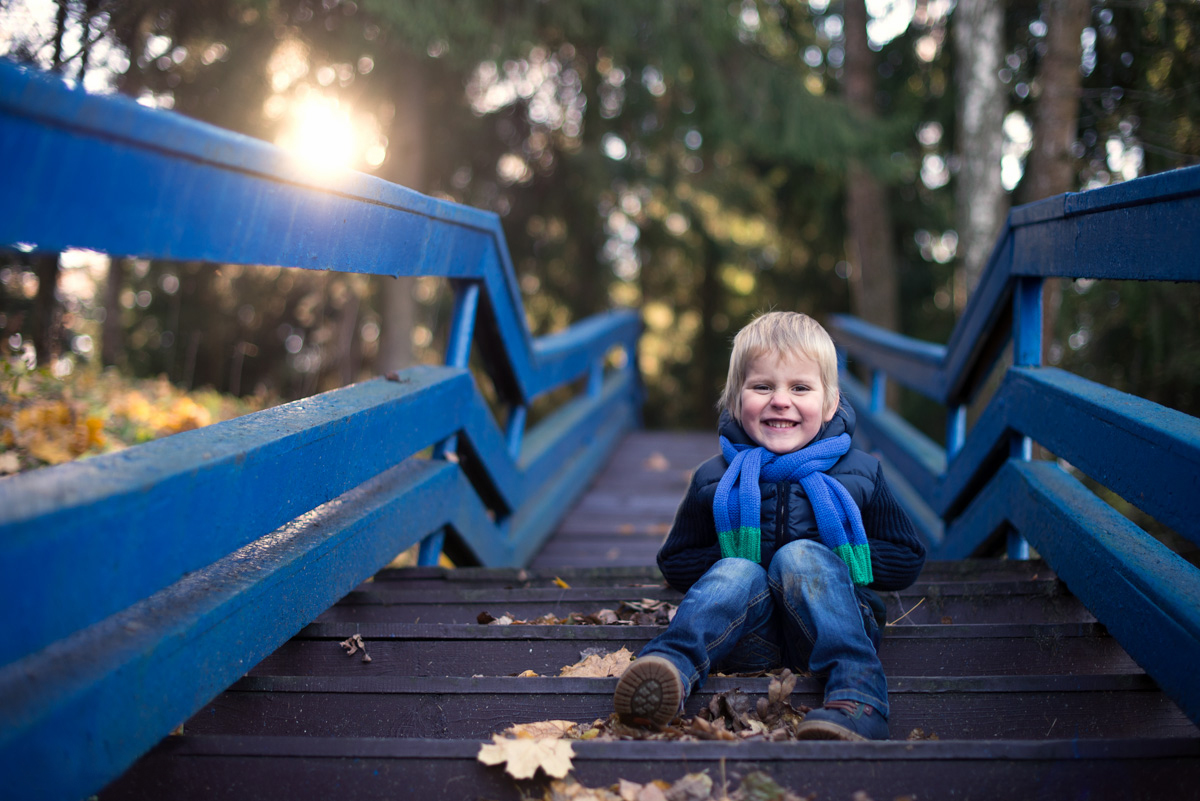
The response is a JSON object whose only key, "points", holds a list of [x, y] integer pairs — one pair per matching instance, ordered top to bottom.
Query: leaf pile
{"points": [[646, 612], [730, 715], [756, 786]]}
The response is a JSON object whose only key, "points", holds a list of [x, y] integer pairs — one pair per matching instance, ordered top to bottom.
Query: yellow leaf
{"points": [[561, 583], [599, 666], [554, 729], [522, 758]]}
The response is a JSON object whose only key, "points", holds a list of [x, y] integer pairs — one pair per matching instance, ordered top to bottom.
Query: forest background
{"points": [[702, 161]]}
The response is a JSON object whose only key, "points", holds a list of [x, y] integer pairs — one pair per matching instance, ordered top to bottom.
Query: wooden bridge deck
{"points": [[625, 515], [1027, 695]]}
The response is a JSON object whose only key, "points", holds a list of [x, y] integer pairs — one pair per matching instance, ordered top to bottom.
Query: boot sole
{"points": [[650, 690], [824, 730]]}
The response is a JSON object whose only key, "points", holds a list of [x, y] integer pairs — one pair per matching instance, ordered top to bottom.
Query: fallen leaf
{"points": [[657, 462], [9, 463], [561, 583], [353, 645], [598, 666], [528, 674], [554, 729], [522, 757], [692, 787], [628, 790], [651, 792]]}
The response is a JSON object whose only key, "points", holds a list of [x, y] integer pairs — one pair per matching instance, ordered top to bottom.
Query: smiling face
{"points": [[783, 401]]}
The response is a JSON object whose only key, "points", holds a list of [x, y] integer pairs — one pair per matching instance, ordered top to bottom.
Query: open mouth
{"points": [[780, 424]]}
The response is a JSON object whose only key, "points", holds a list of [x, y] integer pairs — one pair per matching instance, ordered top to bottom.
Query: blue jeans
{"points": [[802, 612]]}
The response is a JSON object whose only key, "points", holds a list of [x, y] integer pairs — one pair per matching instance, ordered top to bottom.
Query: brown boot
{"points": [[651, 690]]}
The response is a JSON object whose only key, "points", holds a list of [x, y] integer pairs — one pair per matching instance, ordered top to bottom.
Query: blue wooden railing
{"points": [[982, 487], [135, 586]]}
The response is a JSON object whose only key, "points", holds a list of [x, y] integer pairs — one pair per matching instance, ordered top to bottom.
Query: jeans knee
{"points": [[802, 556], [742, 571]]}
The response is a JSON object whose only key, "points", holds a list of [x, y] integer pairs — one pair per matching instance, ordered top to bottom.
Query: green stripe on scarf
{"points": [[744, 542], [858, 559]]}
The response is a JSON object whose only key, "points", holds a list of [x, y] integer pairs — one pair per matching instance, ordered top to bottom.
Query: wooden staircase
{"points": [[1026, 694]]}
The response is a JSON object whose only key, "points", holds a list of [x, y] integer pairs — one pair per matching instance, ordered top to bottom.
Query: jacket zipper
{"points": [[781, 515]]}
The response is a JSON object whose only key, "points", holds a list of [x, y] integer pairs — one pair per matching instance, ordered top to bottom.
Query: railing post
{"points": [[1027, 352], [458, 354], [595, 378], [878, 391], [515, 428], [956, 431]]}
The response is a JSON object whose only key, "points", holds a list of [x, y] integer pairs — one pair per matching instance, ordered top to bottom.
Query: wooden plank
{"points": [[191, 191], [1145, 452], [109, 531], [935, 570], [398, 592], [1147, 596], [935, 609], [448, 650], [991, 707], [68, 727], [235, 768]]}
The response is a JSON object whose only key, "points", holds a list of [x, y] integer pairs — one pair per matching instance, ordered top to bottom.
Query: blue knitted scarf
{"points": [[738, 515]]}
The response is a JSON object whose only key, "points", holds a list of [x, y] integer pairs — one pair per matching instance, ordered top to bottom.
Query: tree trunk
{"points": [[131, 34], [409, 146], [1050, 169], [980, 200], [874, 284], [47, 317], [112, 335]]}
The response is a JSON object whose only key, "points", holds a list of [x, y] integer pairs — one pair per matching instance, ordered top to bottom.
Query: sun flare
{"points": [[321, 134]]}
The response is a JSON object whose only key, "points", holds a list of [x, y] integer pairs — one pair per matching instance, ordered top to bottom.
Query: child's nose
{"points": [[779, 399]]}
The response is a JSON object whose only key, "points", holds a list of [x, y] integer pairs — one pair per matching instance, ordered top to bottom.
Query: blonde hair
{"points": [[780, 332]]}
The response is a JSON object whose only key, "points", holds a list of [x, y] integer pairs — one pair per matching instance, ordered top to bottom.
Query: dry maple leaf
{"points": [[600, 666], [553, 729], [522, 757]]}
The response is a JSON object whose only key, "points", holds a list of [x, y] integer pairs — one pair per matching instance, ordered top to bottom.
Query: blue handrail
{"points": [[982, 486], [138, 585]]}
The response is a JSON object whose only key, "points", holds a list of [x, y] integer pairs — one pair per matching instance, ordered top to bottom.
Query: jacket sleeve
{"points": [[691, 547], [897, 554]]}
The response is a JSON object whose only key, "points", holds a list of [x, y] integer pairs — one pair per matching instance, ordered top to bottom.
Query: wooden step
{"points": [[647, 573], [944, 603], [433, 649], [986, 707], [201, 768]]}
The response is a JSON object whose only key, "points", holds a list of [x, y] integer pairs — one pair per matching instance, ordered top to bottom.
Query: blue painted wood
{"points": [[186, 190], [1027, 322], [912, 362], [1146, 453], [921, 460], [989, 492], [113, 529], [139, 584], [1147, 596], [75, 711]]}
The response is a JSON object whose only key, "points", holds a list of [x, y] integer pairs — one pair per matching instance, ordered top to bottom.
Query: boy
{"points": [[776, 542]]}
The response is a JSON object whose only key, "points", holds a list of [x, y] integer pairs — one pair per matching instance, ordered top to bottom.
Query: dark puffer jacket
{"points": [[691, 547]]}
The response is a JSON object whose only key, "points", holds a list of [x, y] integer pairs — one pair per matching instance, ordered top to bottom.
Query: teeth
{"points": [[779, 424]]}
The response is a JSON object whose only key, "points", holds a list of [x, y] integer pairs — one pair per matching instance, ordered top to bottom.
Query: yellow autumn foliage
{"points": [[46, 420]]}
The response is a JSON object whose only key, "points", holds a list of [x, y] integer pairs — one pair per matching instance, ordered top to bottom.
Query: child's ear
{"points": [[833, 407]]}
